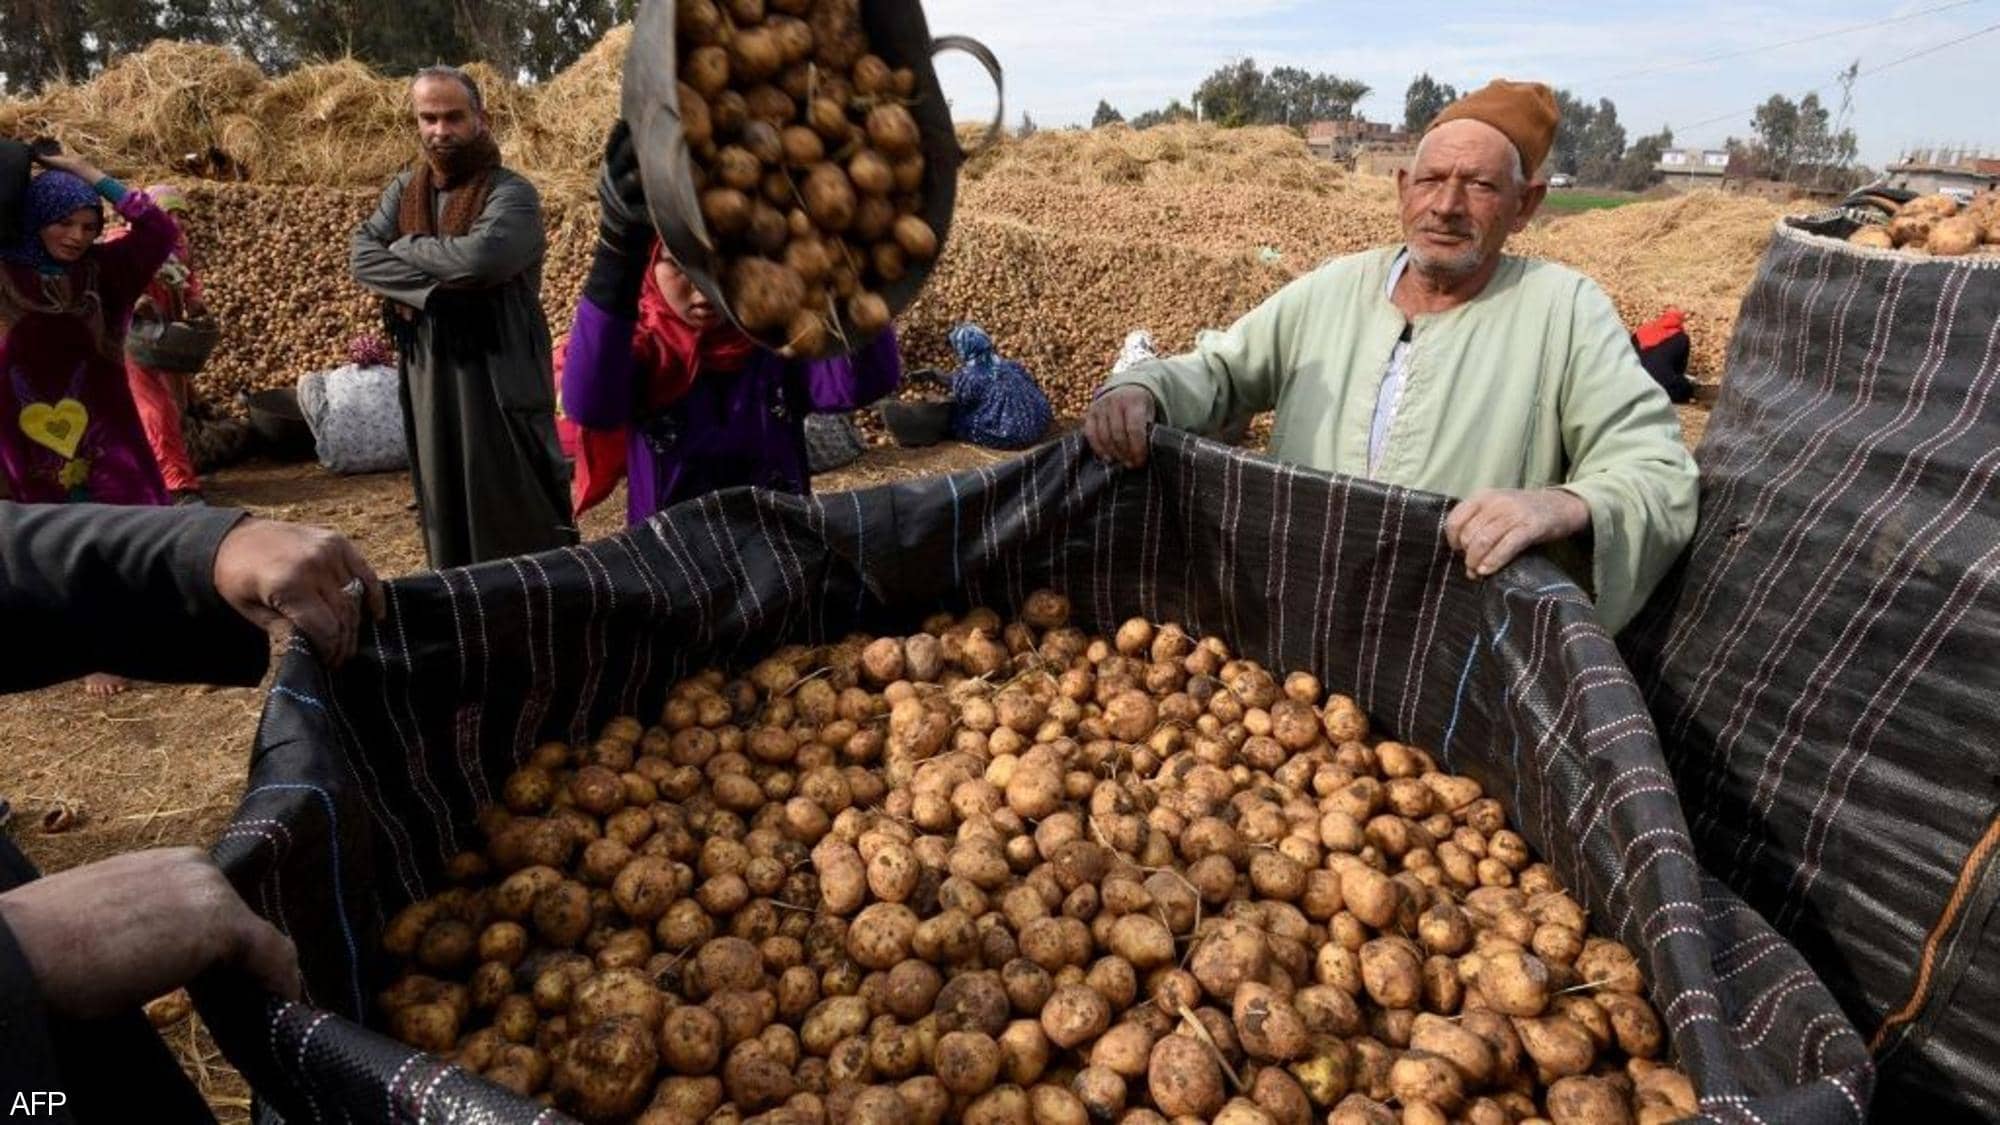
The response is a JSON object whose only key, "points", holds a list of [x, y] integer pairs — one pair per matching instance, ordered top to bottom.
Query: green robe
{"points": [[1532, 384], [478, 393]]}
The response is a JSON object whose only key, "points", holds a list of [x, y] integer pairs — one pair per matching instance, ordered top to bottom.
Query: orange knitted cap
{"points": [[1524, 111]]}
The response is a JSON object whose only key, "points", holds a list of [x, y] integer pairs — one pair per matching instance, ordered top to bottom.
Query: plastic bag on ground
{"points": [[356, 415]]}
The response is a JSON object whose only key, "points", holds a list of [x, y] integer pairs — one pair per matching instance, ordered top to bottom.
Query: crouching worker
{"points": [[1663, 347], [1447, 365], [669, 394], [994, 401]]}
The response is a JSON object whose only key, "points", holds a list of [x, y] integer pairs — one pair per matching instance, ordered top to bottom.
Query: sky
{"points": [[1061, 56]]}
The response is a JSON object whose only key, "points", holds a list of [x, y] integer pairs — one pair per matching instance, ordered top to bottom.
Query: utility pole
{"points": [[1841, 120]]}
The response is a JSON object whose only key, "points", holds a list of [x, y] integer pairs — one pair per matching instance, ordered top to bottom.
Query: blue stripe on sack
{"points": [[860, 552], [298, 697], [1458, 700], [339, 905]]}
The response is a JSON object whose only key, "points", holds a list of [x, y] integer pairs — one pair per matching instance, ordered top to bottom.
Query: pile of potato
{"points": [[809, 166], [1937, 225], [1016, 875]]}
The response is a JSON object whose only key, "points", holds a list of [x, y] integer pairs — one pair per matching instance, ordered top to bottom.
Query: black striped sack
{"points": [[1825, 671], [365, 782]]}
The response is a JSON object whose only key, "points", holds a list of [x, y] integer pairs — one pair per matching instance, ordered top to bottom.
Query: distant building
{"points": [[1342, 140], [1690, 169], [1930, 178]]}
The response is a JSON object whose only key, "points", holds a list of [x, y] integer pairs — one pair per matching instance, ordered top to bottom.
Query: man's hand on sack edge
{"points": [[1117, 423], [1492, 527], [273, 572]]}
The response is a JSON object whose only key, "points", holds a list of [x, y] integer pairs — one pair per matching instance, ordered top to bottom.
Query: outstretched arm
{"points": [[1230, 375], [846, 383], [168, 595]]}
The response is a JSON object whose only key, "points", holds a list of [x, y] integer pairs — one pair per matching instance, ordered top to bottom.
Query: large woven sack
{"points": [[1823, 670], [365, 781]]}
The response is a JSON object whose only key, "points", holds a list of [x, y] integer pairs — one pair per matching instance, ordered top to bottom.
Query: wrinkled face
{"points": [[445, 118], [1462, 198], [69, 238], [688, 302]]}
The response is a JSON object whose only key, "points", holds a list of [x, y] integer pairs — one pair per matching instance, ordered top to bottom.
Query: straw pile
{"points": [[147, 110], [333, 124], [336, 124], [561, 141], [1186, 155], [1698, 252]]}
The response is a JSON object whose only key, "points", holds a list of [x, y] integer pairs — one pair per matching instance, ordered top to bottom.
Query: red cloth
{"points": [[1660, 329], [669, 355], [160, 397]]}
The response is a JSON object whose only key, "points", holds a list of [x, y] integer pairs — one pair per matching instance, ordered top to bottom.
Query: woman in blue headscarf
{"points": [[995, 402]]}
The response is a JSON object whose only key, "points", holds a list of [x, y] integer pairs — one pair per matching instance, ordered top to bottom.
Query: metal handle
{"points": [[983, 57]]}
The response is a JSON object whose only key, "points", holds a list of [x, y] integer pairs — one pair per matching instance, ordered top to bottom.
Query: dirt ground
{"points": [[164, 766]]}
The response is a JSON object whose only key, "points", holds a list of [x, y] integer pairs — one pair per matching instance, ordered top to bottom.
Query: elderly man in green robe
{"points": [[1447, 365]]}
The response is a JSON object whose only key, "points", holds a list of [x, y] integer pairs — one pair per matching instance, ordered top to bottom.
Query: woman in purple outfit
{"points": [[701, 406], [68, 428]]}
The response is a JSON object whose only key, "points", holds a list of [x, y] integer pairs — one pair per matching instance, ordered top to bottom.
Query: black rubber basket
{"points": [[180, 346]]}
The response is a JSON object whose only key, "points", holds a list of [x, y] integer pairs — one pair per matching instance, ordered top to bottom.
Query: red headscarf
{"points": [[1661, 329], [669, 355]]}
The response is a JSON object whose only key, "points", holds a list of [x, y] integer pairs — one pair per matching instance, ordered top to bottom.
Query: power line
{"points": [[1834, 34], [1911, 57]]}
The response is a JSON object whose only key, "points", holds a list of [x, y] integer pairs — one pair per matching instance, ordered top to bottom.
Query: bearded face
{"points": [[1463, 196]]}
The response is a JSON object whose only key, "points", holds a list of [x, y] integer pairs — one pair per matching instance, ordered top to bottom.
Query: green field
{"points": [[1569, 202]]}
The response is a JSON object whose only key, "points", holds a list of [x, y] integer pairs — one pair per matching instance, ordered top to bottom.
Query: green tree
{"points": [[555, 33], [41, 41], [1239, 94], [1233, 96], [1298, 97], [1424, 100], [1173, 112], [1106, 114], [1573, 117], [1776, 125], [1601, 148], [1822, 156], [1640, 167]]}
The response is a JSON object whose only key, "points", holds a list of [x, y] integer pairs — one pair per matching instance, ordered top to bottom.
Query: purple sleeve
{"points": [[130, 263], [598, 369], [852, 382]]}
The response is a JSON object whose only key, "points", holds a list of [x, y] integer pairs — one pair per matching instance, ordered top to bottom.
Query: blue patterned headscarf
{"points": [[52, 197], [971, 343]]}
